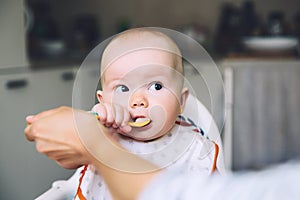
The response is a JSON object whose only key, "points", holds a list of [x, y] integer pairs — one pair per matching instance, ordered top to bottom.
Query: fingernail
{"points": [[29, 117]]}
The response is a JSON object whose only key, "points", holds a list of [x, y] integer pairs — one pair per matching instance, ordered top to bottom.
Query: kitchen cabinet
{"points": [[262, 112], [25, 173]]}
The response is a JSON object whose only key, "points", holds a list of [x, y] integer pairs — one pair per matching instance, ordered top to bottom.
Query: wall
{"points": [[167, 13], [12, 34]]}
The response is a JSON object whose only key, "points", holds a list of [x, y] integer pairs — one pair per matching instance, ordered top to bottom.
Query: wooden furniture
{"points": [[263, 112]]}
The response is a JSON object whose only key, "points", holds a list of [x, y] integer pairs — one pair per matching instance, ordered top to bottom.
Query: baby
{"points": [[140, 103]]}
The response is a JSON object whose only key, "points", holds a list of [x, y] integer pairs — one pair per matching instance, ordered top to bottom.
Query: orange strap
{"points": [[214, 167], [79, 191]]}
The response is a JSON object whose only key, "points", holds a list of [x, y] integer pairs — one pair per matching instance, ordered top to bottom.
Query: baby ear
{"points": [[99, 95], [184, 95]]}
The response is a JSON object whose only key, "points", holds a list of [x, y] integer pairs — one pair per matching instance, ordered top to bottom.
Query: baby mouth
{"points": [[140, 122]]}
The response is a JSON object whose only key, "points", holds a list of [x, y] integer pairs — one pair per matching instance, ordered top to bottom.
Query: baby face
{"points": [[147, 85]]}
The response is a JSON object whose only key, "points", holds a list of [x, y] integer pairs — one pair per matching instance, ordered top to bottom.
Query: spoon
{"points": [[139, 122]]}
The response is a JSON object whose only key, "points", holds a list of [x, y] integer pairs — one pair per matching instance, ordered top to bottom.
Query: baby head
{"points": [[142, 71]]}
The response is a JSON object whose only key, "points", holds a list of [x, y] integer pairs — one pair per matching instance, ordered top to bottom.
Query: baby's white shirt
{"points": [[183, 148]]}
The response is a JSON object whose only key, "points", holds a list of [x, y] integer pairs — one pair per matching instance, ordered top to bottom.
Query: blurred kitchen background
{"points": [[254, 43]]}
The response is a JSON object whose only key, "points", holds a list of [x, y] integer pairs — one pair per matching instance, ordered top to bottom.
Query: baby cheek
{"points": [[116, 98], [169, 102], [172, 106], [164, 117]]}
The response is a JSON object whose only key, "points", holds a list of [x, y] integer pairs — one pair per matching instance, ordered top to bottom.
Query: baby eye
{"points": [[156, 86], [122, 88]]}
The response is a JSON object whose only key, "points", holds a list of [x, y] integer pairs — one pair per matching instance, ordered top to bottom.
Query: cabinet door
{"points": [[52, 88], [265, 113], [25, 173]]}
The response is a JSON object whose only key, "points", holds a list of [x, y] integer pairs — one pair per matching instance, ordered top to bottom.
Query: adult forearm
{"points": [[125, 174], [124, 185]]}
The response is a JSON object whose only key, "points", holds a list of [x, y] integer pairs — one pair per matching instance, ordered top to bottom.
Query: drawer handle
{"points": [[68, 76], [16, 84]]}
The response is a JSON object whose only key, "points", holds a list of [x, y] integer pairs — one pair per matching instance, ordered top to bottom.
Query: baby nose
{"points": [[138, 100]]}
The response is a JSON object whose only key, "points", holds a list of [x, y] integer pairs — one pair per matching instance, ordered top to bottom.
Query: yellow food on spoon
{"points": [[140, 122]]}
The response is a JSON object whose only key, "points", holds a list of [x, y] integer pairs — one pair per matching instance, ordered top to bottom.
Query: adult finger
{"points": [[32, 118], [32, 128], [29, 134]]}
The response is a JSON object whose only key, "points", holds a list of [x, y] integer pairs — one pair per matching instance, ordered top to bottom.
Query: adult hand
{"points": [[55, 134], [61, 134]]}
